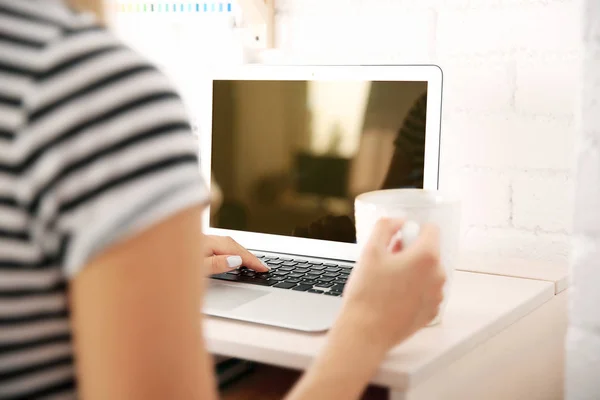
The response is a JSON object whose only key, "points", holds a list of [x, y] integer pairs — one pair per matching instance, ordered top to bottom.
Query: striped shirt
{"points": [[95, 146]]}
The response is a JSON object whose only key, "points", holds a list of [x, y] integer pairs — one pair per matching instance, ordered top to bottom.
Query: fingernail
{"points": [[396, 242], [234, 261]]}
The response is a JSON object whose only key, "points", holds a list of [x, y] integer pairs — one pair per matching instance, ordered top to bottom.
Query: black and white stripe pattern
{"points": [[94, 144]]}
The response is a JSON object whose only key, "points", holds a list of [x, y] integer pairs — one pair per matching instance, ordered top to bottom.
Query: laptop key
{"points": [[271, 257], [285, 259], [274, 262], [316, 263], [289, 264], [329, 265], [317, 267], [345, 267], [287, 269], [332, 269], [301, 270], [280, 273], [330, 274], [295, 275], [243, 279], [325, 279], [292, 280], [340, 280], [309, 281], [324, 284], [285, 285], [303, 287], [338, 287], [315, 291], [332, 294]]}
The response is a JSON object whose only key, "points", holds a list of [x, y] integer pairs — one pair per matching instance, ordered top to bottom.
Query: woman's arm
{"points": [[136, 317], [344, 367]]}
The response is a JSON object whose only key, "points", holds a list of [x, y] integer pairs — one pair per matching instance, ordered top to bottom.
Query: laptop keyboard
{"points": [[294, 274]]}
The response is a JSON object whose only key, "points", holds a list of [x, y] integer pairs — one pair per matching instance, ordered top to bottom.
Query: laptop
{"points": [[290, 147]]}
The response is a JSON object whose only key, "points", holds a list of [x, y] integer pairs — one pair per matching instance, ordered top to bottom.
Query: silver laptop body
{"points": [[289, 146]]}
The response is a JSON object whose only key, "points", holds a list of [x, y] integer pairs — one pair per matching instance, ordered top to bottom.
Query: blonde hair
{"points": [[95, 6]]}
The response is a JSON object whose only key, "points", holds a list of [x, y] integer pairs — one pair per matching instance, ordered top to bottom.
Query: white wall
{"points": [[510, 70], [510, 73], [583, 337]]}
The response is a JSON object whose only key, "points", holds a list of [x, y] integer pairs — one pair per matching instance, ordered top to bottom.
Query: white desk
{"points": [[518, 268], [501, 337]]}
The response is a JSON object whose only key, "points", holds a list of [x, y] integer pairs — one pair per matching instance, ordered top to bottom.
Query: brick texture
{"points": [[547, 84], [485, 198], [542, 201], [507, 242]]}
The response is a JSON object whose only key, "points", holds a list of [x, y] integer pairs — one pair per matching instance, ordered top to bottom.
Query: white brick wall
{"points": [[510, 70], [480, 84], [547, 84], [508, 141], [490, 188], [544, 201], [510, 242]]}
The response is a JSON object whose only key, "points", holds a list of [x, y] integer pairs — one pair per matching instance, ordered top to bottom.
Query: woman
{"points": [[101, 251]]}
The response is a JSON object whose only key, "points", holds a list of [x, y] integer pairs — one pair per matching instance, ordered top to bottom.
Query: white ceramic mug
{"points": [[420, 206]]}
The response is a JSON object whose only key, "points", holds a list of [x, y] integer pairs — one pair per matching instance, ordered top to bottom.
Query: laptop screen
{"points": [[291, 156]]}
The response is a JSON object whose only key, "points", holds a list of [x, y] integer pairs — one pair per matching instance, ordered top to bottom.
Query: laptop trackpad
{"points": [[226, 298], [282, 308]]}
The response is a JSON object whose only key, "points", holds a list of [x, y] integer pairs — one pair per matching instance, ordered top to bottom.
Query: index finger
{"points": [[384, 231], [426, 245], [228, 246]]}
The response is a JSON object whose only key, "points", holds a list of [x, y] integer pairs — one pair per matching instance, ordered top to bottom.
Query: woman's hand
{"points": [[223, 254], [392, 294], [389, 296]]}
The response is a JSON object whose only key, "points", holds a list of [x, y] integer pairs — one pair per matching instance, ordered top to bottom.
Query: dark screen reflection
{"points": [[291, 156]]}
